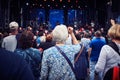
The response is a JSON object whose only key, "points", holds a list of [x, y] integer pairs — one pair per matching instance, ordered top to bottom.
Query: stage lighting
{"points": [[27, 4], [40, 5], [48, 5], [64, 6], [78, 6]]}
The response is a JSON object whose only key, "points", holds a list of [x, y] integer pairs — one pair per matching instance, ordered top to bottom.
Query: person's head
{"points": [[13, 27], [29, 28], [20, 29], [114, 32], [41, 33], [60, 34], [98, 34], [87, 35], [48, 37], [26, 39]]}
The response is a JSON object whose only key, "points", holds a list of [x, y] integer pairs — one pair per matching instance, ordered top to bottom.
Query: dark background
{"points": [[97, 10]]}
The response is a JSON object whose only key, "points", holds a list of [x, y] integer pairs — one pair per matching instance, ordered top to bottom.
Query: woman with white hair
{"points": [[54, 65]]}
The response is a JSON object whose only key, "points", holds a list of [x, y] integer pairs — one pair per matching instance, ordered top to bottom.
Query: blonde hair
{"points": [[114, 32]]}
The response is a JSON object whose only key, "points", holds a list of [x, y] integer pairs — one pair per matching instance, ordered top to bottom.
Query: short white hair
{"points": [[13, 25], [60, 33]]}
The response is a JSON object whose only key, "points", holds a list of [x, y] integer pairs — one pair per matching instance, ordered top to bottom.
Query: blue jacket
{"points": [[14, 67]]}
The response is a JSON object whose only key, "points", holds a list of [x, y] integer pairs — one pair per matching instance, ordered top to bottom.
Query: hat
{"points": [[13, 25]]}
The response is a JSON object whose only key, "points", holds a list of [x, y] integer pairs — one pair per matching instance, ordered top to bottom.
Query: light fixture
{"points": [[27, 3], [40, 5], [48, 5], [64, 6], [78, 6]]}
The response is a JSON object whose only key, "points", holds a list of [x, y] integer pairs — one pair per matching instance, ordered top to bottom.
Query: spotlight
{"points": [[60, 0], [68, 0], [27, 3], [33, 4], [40, 5], [48, 5], [56, 5], [64, 6], [71, 6], [78, 6], [86, 6]]}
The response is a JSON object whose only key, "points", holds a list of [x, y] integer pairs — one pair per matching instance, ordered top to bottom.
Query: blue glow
{"points": [[38, 15], [56, 16]]}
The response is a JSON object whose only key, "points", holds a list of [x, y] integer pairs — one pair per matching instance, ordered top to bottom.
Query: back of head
{"points": [[13, 26], [29, 28], [114, 32], [60, 33], [98, 33], [86, 35], [48, 37], [26, 39]]}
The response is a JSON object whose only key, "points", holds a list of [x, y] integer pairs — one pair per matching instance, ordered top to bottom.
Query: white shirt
{"points": [[69, 40], [9, 43], [107, 59]]}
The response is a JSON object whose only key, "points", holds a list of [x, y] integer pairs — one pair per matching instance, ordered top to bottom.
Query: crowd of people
{"points": [[41, 55]]}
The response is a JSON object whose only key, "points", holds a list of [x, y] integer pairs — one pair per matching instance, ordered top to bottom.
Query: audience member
{"points": [[20, 30], [40, 37], [86, 41], [10, 42], [49, 43], [95, 46], [30, 54], [108, 56], [81, 59], [54, 65], [13, 67]]}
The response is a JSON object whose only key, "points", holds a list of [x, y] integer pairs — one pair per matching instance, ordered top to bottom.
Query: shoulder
{"points": [[9, 37], [5, 38], [65, 48], [107, 48], [33, 50], [50, 50], [109, 51], [20, 52], [10, 56], [16, 64]]}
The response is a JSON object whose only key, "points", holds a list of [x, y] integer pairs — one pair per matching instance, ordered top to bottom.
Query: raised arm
{"points": [[74, 40]]}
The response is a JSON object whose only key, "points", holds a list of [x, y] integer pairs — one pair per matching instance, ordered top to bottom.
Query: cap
{"points": [[13, 25]]}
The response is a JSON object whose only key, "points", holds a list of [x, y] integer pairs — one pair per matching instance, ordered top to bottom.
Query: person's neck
{"points": [[13, 33], [116, 41], [59, 44]]}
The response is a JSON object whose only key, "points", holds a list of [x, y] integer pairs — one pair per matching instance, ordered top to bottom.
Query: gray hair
{"points": [[60, 33]]}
